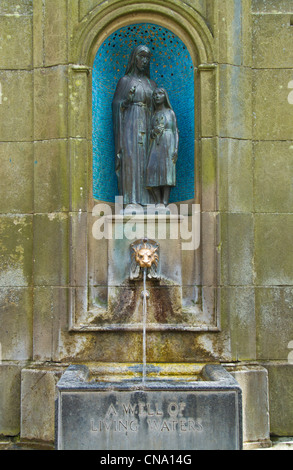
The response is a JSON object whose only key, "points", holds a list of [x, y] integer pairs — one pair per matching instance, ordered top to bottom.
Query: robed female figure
{"points": [[132, 113], [163, 154]]}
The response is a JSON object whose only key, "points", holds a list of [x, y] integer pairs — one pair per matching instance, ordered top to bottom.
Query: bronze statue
{"points": [[132, 113], [163, 154]]}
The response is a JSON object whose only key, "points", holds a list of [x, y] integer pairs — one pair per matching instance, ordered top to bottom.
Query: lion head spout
{"points": [[144, 254]]}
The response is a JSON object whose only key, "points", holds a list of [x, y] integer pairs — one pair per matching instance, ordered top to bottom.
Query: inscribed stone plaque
{"points": [[159, 416]]}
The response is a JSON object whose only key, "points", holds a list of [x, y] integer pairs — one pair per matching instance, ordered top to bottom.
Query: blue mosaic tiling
{"points": [[171, 68]]}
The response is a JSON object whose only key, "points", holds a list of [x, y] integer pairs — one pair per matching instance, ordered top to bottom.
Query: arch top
{"points": [[183, 20]]}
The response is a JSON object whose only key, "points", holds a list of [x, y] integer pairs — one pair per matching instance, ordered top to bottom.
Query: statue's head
{"points": [[139, 61], [160, 96]]}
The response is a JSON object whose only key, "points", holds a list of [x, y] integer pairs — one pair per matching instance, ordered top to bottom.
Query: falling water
{"points": [[144, 306]]}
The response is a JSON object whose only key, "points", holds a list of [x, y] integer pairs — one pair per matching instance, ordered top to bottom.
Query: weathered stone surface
{"points": [[86, 6], [272, 6], [16, 8], [55, 16], [50, 29], [233, 31], [247, 31], [16, 42], [271, 44], [230, 47], [38, 49], [50, 86], [235, 102], [78, 109], [16, 110], [208, 113], [272, 113], [79, 150], [236, 170], [273, 173], [209, 175], [51, 177], [16, 184], [129, 230], [208, 244], [236, 248], [51, 249], [16, 250], [79, 250], [273, 253], [191, 259], [98, 261], [111, 266], [191, 271], [98, 297], [239, 306], [164, 308], [274, 309], [210, 311], [79, 312], [50, 316], [53, 316], [44, 317], [16, 326], [162, 346], [187, 346], [253, 381], [38, 389], [281, 398], [10, 399], [154, 416]]}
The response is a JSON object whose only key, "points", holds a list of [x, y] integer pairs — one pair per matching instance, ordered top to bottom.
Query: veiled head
{"points": [[139, 61], [160, 96]]}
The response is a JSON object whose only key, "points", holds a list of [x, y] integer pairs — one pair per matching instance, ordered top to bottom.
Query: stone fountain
{"points": [[146, 406]]}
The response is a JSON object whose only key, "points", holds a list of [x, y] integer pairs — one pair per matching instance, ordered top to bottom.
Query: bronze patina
{"points": [[146, 135]]}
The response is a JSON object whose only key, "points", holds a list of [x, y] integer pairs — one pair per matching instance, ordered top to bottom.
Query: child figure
{"points": [[161, 169]]}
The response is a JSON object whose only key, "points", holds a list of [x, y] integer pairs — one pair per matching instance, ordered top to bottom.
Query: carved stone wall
{"points": [[243, 180]]}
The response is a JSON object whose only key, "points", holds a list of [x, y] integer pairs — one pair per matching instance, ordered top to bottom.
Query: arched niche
{"points": [[186, 24], [171, 68], [89, 261]]}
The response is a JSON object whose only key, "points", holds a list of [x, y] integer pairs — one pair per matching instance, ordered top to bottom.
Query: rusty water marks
{"points": [[135, 222]]}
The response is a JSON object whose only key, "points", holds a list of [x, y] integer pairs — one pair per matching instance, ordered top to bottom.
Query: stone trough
{"points": [[94, 412]]}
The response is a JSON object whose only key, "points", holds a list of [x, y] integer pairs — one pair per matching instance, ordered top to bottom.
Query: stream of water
{"points": [[144, 307]]}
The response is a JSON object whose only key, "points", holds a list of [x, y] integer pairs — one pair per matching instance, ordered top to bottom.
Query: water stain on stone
{"points": [[126, 304], [162, 304]]}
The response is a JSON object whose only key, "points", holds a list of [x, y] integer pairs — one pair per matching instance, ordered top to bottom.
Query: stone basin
{"points": [[190, 407]]}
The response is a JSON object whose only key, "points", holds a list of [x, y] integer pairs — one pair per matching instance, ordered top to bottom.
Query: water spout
{"points": [[144, 260], [144, 307]]}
